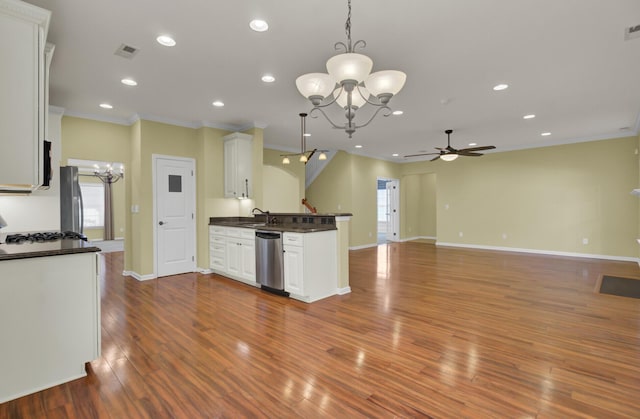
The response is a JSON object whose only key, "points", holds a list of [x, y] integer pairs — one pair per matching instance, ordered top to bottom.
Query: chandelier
{"points": [[350, 84], [304, 154]]}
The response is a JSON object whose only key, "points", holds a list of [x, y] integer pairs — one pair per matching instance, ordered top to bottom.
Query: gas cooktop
{"points": [[43, 237]]}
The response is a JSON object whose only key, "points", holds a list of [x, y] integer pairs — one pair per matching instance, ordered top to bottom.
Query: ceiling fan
{"points": [[449, 153]]}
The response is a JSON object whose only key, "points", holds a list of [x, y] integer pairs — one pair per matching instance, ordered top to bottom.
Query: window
{"points": [[93, 200]]}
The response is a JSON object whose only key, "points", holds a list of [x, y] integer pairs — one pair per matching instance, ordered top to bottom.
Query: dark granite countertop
{"points": [[285, 222], [53, 248]]}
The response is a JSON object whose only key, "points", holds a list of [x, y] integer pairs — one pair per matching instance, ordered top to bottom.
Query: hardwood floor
{"points": [[426, 332]]}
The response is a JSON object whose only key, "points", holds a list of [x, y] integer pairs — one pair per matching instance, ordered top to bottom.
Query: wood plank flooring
{"points": [[426, 332]]}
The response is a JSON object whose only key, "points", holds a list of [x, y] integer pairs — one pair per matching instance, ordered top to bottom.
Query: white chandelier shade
{"points": [[349, 66], [385, 82], [315, 84], [357, 99]]}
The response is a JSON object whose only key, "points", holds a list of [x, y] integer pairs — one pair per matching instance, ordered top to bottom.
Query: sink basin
{"points": [[252, 225]]}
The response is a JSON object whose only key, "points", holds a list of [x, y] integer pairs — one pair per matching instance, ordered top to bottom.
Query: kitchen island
{"points": [[314, 251], [49, 314]]}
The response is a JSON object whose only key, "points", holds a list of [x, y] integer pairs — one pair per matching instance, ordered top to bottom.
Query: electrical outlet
{"points": [[446, 206], [339, 207], [370, 234], [460, 234], [504, 236], [585, 241]]}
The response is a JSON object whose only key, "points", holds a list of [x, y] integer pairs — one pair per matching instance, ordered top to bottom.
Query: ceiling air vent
{"points": [[631, 32], [126, 51]]}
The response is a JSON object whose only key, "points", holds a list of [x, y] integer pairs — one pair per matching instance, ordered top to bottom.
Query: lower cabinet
{"points": [[232, 253], [310, 265], [49, 321]]}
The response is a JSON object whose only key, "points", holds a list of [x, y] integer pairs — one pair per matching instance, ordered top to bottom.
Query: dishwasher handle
{"points": [[268, 235]]}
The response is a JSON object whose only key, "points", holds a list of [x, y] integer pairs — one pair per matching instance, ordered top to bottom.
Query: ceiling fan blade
{"points": [[480, 148], [422, 154], [469, 154], [435, 158]]}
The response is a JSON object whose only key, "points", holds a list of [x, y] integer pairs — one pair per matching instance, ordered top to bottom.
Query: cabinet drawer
{"points": [[217, 230], [235, 232], [248, 233], [293, 239], [216, 240], [217, 248], [217, 263]]}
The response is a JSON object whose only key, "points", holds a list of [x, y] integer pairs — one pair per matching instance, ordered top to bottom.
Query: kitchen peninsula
{"points": [[314, 250], [49, 314]]}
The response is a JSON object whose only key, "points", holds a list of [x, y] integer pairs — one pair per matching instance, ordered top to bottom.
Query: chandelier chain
{"points": [[347, 26]]}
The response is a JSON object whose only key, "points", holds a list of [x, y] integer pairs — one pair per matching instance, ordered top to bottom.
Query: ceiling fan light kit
{"points": [[350, 84], [450, 154]]}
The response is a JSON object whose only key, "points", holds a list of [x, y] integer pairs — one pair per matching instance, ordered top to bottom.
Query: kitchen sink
{"points": [[253, 225]]}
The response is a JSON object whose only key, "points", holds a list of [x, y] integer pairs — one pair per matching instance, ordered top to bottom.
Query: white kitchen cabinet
{"points": [[24, 98], [238, 162], [232, 253], [310, 265], [49, 321]]}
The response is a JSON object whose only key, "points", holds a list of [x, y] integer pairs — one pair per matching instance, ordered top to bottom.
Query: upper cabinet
{"points": [[24, 98], [238, 151]]}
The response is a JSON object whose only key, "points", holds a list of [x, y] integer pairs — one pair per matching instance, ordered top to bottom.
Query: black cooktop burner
{"points": [[43, 237]]}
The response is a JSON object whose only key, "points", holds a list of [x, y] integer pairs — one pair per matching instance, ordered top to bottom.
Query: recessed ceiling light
{"points": [[258, 25], [166, 40], [268, 78], [129, 82], [500, 87], [218, 104], [106, 106], [397, 112], [530, 116], [545, 134], [472, 144], [358, 146], [395, 155]]}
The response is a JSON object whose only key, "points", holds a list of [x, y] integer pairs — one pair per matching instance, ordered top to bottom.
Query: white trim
{"points": [[56, 110], [101, 118], [636, 126], [154, 161], [343, 217], [419, 238], [364, 246], [540, 252], [204, 271], [139, 277], [343, 291]]}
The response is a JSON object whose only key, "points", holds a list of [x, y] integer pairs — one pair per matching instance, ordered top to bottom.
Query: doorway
{"points": [[174, 215], [388, 215]]}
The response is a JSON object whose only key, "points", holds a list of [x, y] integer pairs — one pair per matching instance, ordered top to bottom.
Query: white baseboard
{"points": [[419, 238], [364, 246], [540, 252], [204, 271], [139, 277], [343, 291]]}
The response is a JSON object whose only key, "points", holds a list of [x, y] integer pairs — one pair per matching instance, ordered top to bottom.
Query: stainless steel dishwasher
{"points": [[269, 262]]}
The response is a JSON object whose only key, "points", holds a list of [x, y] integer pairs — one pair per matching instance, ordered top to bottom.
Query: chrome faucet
{"points": [[253, 212]]}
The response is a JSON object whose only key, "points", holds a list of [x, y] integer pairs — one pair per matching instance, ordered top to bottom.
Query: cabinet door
{"points": [[20, 113], [230, 177], [233, 257], [248, 260], [293, 270]]}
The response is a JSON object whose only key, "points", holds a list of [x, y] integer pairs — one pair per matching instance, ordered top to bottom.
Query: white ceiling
{"points": [[565, 61]]}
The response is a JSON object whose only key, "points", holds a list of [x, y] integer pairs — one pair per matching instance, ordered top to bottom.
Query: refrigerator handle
{"points": [[81, 202]]}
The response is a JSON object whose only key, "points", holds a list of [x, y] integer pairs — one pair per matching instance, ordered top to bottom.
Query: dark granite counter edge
{"points": [[44, 253]]}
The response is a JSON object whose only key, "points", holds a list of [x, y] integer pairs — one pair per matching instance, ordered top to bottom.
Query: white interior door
{"points": [[393, 206], [175, 215]]}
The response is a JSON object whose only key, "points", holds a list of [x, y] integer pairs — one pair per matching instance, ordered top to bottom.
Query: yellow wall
{"points": [[101, 141], [134, 146], [295, 168], [349, 185], [545, 199], [418, 206]]}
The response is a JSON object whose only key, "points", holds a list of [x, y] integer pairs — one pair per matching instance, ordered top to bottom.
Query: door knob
{"points": [[162, 223]]}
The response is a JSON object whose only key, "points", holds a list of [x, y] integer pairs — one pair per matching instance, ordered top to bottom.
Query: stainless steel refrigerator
{"points": [[71, 207]]}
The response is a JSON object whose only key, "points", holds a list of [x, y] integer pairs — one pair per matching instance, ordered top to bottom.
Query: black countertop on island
{"points": [[285, 222], [53, 248]]}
